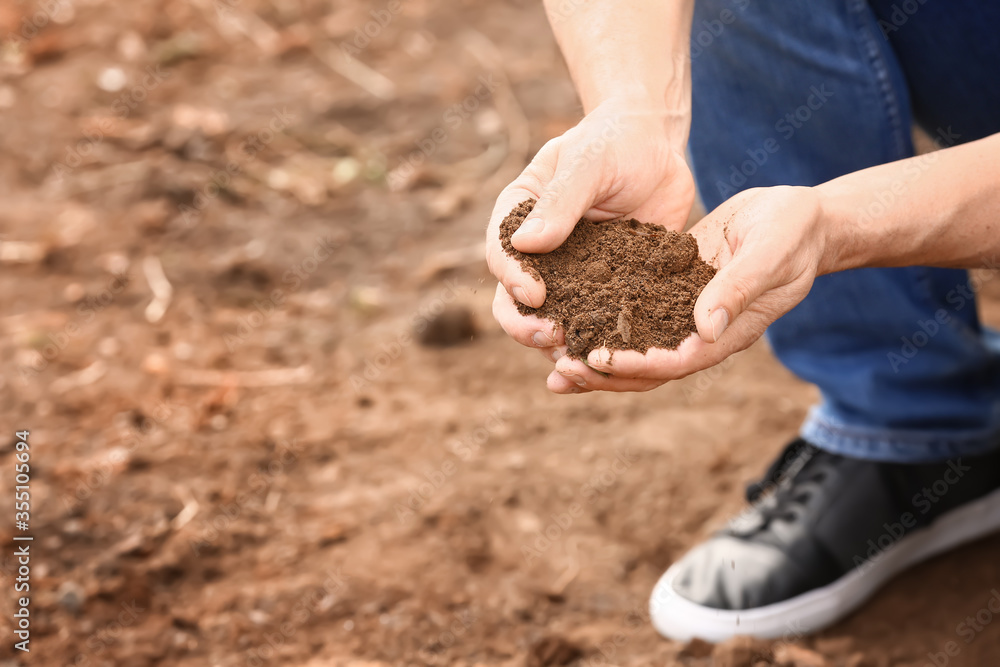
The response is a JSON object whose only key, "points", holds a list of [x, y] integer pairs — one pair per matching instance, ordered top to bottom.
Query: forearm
{"points": [[635, 50], [939, 209]]}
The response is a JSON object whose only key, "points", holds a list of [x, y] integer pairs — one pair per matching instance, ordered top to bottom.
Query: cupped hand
{"points": [[622, 159], [768, 246]]}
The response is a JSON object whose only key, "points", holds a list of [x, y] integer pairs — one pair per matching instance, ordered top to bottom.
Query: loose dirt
{"points": [[620, 284]]}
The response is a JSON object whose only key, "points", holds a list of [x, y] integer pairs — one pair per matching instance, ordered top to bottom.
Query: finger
{"points": [[571, 192], [671, 203], [659, 212], [508, 270], [732, 291], [528, 330], [553, 354], [693, 354], [579, 373], [558, 384]]}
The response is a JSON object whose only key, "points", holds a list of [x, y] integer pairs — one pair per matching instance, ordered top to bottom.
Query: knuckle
{"points": [[490, 261], [499, 266], [744, 291], [498, 312], [509, 328]]}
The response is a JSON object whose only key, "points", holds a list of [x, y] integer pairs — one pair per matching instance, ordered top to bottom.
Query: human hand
{"points": [[623, 159], [768, 245]]}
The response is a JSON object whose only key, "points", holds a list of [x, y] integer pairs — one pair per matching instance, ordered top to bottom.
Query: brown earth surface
{"points": [[262, 464]]}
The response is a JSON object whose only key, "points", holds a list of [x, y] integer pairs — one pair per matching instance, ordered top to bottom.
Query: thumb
{"points": [[565, 199], [733, 289]]}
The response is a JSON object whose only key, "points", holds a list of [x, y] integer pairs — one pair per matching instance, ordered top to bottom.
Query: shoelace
{"points": [[790, 482]]}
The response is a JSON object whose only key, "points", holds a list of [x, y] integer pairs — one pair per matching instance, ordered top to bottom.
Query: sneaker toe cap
{"points": [[727, 573]]}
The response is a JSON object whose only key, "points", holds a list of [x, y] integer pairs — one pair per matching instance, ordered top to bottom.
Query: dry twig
{"points": [[162, 289], [271, 377], [80, 378]]}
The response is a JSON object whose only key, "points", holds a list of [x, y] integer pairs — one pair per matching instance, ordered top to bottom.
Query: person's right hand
{"points": [[623, 159], [769, 245]]}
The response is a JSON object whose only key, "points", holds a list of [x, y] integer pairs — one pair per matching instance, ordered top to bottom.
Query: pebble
{"points": [[111, 79], [454, 325], [71, 596], [791, 655]]}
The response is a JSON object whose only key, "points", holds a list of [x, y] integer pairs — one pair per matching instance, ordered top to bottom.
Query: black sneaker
{"points": [[822, 534]]}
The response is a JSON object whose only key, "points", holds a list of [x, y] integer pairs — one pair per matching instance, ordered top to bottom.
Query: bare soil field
{"points": [[245, 316]]}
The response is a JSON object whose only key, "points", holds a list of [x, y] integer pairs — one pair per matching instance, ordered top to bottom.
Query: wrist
{"points": [[636, 95], [638, 106], [843, 242]]}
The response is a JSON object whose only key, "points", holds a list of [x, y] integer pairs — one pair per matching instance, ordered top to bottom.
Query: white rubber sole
{"points": [[680, 619]]}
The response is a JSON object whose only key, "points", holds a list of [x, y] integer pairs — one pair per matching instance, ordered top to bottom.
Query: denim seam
{"points": [[858, 10], [853, 434], [849, 441], [899, 453]]}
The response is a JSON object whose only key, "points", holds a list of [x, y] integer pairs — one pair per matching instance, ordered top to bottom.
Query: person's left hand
{"points": [[768, 246]]}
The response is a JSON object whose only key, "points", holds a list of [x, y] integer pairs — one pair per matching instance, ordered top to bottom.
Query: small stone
{"points": [[131, 46], [111, 79], [345, 170], [151, 214], [255, 248], [115, 263], [74, 292], [366, 300], [454, 325], [625, 325], [109, 347], [183, 351], [155, 364], [333, 534], [71, 596], [258, 616], [834, 646], [696, 648], [552, 650], [740, 652], [791, 655], [857, 660]]}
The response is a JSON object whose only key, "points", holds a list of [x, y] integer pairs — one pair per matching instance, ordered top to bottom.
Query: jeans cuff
{"points": [[894, 445]]}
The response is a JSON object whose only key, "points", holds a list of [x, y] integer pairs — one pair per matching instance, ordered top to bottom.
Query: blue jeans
{"points": [[797, 92]]}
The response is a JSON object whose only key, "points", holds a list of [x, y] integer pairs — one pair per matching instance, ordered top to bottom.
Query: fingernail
{"points": [[530, 226], [518, 293], [720, 320], [541, 340], [557, 355], [599, 361], [574, 378]]}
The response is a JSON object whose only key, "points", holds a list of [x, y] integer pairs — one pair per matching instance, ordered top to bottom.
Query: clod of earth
{"points": [[620, 284], [452, 326]]}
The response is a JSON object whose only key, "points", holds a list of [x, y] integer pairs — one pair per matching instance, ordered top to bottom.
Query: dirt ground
{"points": [[221, 222]]}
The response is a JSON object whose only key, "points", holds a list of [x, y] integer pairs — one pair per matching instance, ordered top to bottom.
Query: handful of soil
{"points": [[620, 284]]}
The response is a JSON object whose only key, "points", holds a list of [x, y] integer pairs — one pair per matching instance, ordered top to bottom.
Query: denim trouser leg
{"points": [[799, 92]]}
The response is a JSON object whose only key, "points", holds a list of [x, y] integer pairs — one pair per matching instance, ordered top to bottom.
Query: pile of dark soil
{"points": [[621, 284]]}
